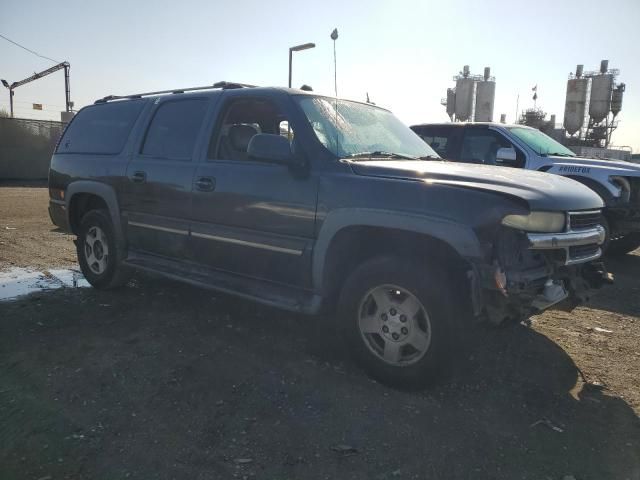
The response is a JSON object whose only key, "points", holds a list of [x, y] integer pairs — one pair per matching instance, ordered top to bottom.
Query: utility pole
{"points": [[6, 84]]}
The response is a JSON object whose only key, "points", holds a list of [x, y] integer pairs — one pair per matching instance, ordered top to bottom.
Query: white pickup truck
{"points": [[517, 146]]}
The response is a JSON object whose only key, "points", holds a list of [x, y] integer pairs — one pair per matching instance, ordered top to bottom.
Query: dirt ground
{"points": [[163, 380]]}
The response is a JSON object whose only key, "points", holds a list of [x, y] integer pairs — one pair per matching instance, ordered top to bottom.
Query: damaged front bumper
{"points": [[532, 272]]}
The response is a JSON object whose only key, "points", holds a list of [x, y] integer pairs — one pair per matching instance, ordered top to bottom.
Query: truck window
{"points": [[243, 119], [101, 129], [174, 129], [442, 140], [438, 143], [481, 146]]}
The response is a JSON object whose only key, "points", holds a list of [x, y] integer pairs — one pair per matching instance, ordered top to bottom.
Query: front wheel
{"points": [[623, 244], [97, 254], [397, 321]]}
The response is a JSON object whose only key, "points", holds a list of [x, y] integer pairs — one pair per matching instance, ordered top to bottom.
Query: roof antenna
{"points": [[334, 37]]}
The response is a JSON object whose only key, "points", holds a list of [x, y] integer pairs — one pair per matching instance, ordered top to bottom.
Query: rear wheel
{"points": [[97, 253], [396, 318]]}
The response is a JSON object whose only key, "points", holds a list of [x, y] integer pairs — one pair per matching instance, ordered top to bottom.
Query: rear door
{"points": [[157, 197], [249, 217]]}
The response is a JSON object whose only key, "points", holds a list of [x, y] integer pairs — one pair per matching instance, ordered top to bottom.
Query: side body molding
{"points": [[104, 191], [460, 237]]}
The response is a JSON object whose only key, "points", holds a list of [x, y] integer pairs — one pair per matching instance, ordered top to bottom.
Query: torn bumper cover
{"points": [[533, 272]]}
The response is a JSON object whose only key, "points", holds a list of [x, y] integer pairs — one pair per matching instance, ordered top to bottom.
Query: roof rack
{"points": [[218, 85]]}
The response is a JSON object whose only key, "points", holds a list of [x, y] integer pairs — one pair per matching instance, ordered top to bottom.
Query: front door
{"points": [[157, 194], [249, 217]]}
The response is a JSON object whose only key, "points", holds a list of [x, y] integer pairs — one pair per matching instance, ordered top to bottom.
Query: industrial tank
{"points": [[464, 98], [485, 98], [616, 99], [576, 101], [451, 102], [600, 103]]}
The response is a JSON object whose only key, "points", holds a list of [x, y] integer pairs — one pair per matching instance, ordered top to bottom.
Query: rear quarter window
{"points": [[101, 129], [437, 138]]}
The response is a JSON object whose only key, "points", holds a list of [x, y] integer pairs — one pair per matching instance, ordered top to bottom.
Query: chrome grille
{"points": [[583, 220], [583, 251]]}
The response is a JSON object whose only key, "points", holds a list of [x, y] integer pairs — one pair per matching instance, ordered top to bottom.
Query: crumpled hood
{"points": [[614, 167], [541, 191]]}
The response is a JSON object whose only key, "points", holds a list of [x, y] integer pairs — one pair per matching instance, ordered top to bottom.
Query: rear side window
{"points": [[101, 129], [174, 129], [437, 138], [438, 143]]}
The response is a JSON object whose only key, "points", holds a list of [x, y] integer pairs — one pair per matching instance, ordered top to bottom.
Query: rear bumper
{"points": [[58, 214]]}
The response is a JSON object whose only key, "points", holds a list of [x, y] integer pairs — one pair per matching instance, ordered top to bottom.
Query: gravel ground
{"points": [[163, 380]]}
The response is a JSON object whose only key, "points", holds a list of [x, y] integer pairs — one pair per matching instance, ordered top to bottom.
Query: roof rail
{"points": [[218, 85]]}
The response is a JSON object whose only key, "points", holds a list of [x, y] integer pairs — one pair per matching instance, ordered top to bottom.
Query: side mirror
{"points": [[271, 148], [506, 155]]}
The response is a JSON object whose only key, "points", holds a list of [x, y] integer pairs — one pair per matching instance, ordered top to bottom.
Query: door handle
{"points": [[139, 177], [205, 184]]}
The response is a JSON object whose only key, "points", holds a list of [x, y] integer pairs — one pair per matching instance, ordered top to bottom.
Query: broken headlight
{"points": [[542, 222]]}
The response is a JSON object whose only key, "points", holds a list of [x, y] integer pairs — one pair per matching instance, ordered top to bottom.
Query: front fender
{"points": [[597, 179], [460, 237]]}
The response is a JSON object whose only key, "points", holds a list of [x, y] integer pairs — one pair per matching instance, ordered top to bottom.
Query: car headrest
{"points": [[240, 135]]}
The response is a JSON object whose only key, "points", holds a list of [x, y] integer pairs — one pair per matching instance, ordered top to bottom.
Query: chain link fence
{"points": [[26, 147]]}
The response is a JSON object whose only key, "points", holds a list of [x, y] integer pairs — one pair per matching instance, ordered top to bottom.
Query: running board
{"points": [[264, 292]]}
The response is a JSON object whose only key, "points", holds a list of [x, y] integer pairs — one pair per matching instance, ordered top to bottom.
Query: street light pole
{"points": [[297, 48], [6, 84]]}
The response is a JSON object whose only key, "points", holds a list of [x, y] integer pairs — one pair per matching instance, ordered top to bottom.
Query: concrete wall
{"points": [[26, 147]]}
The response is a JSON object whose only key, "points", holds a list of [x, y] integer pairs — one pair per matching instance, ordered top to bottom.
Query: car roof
{"points": [[213, 91], [468, 124]]}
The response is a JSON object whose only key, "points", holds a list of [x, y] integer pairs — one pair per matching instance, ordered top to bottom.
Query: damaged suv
{"points": [[318, 205]]}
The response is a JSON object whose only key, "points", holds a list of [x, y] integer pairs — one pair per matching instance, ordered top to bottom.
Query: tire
{"points": [[623, 244], [97, 253], [413, 350]]}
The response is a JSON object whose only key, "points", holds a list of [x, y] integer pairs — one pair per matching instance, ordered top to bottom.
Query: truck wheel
{"points": [[623, 244], [97, 254], [396, 319]]}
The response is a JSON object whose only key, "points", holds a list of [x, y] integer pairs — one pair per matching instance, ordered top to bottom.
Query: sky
{"points": [[402, 53]]}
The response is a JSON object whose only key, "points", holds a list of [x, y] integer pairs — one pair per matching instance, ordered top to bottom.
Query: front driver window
{"points": [[243, 119], [481, 146]]}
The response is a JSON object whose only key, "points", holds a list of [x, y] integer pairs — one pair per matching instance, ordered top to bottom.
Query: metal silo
{"points": [[485, 97], [464, 98], [616, 99], [576, 101], [451, 102], [600, 103]]}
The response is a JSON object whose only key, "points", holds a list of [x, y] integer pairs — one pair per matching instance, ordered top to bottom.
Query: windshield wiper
{"points": [[380, 154], [429, 157]]}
